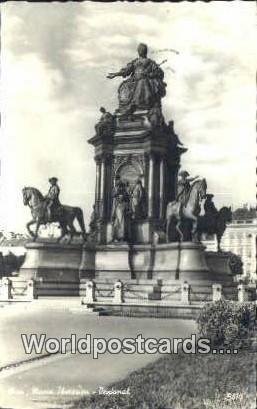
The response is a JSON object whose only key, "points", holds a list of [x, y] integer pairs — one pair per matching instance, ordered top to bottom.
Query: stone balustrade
{"points": [[5, 289], [10, 289], [31, 290], [119, 292], [216, 292], [90, 293], [185, 293], [118, 297]]}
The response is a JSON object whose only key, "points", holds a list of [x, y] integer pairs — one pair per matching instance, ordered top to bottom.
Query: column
{"points": [[97, 179], [174, 182], [98, 185], [150, 186], [102, 188], [161, 188], [253, 254]]}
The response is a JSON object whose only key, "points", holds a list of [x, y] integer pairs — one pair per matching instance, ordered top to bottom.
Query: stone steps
{"points": [[150, 309]]}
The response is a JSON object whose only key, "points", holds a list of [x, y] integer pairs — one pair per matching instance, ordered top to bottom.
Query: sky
{"points": [[54, 62]]}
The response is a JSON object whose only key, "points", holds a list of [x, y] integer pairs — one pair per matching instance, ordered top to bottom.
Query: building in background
{"points": [[240, 238], [12, 247], [12, 252]]}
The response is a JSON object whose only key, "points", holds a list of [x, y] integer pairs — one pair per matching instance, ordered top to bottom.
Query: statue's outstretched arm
{"points": [[124, 72], [112, 75]]}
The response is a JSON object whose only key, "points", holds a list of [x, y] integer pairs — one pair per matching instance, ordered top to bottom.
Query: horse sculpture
{"points": [[190, 210], [64, 215], [217, 225]]}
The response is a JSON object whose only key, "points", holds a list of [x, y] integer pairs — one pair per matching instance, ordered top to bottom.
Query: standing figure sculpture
{"points": [[144, 87], [155, 116], [52, 198], [138, 201], [121, 213], [93, 224]]}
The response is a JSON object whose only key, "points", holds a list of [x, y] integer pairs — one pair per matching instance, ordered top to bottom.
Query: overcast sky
{"points": [[55, 58]]}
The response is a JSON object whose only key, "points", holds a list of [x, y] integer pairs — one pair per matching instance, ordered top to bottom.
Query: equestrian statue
{"points": [[190, 193], [48, 209], [213, 222]]}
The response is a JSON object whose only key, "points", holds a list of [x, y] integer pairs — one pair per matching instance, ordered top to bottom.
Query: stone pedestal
{"points": [[172, 261], [52, 262], [109, 262], [192, 262], [219, 262], [87, 264], [59, 269]]}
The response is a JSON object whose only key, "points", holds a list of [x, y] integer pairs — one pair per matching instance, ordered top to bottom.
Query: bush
{"points": [[228, 323]]}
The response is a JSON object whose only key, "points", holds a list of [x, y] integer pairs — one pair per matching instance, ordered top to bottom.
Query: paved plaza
{"points": [[54, 381]]}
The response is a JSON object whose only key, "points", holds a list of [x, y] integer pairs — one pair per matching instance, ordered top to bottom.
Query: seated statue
{"points": [[144, 87], [155, 116], [106, 124]]}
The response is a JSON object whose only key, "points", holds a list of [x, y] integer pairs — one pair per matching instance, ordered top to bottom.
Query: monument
{"points": [[138, 150], [146, 210], [145, 226]]}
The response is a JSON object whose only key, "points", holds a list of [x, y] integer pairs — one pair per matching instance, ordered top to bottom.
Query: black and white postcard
{"points": [[128, 205]]}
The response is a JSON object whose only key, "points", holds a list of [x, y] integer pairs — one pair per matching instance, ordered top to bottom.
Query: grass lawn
{"points": [[185, 382]]}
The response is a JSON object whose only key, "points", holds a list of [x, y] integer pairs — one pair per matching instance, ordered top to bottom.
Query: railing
{"points": [[10, 291], [120, 292]]}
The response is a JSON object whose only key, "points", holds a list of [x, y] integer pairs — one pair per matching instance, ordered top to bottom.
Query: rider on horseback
{"points": [[183, 188], [52, 198], [209, 206], [211, 212]]}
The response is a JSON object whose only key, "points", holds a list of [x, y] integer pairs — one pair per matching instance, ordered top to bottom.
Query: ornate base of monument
{"points": [[185, 261], [52, 262], [107, 262], [62, 269]]}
